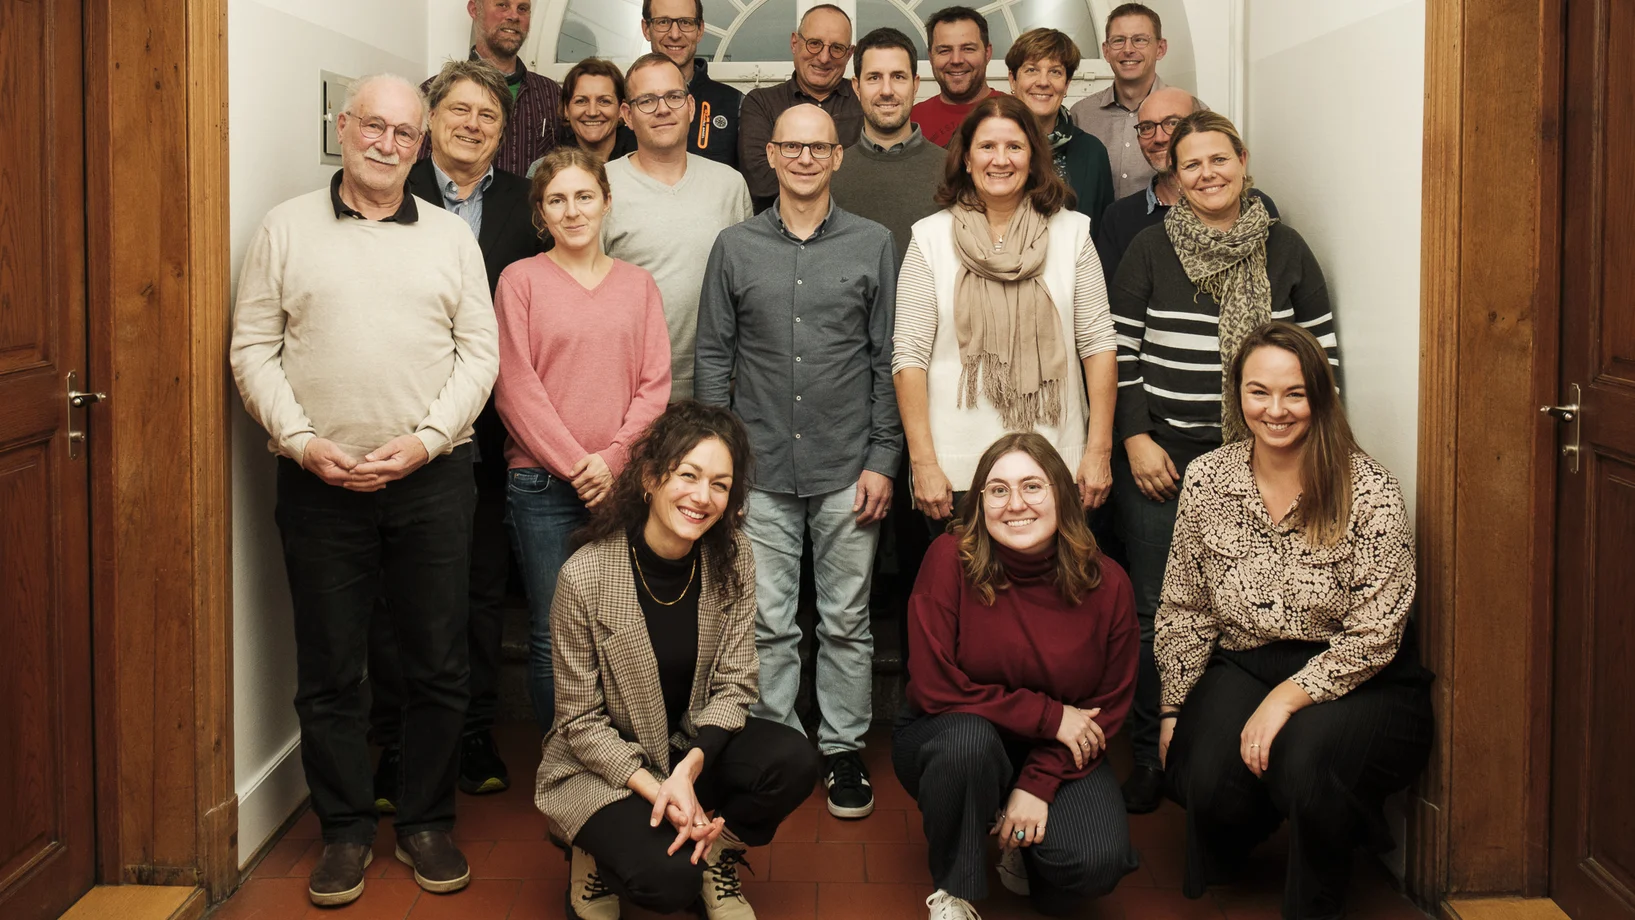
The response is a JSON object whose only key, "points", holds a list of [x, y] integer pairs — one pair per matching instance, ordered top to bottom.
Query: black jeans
{"points": [[409, 543], [490, 567], [1329, 770], [961, 771], [762, 775]]}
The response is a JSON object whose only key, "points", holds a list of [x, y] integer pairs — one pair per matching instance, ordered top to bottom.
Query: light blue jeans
{"points": [[542, 512], [843, 563]]}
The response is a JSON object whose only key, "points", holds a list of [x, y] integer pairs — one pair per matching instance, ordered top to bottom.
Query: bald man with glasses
{"points": [[821, 45]]}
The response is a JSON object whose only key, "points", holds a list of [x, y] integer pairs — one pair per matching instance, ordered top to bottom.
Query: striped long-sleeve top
{"points": [[1169, 353]]}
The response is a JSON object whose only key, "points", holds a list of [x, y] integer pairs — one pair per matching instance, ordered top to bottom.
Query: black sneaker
{"points": [[481, 769], [388, 780], [1143, 790], [850, 795]]}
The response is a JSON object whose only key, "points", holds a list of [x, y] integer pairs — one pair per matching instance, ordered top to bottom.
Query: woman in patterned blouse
{"points": [[1288, 689]]}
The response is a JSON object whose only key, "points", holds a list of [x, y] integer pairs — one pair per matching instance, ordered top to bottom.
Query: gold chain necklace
{"points": [[694, 571]]}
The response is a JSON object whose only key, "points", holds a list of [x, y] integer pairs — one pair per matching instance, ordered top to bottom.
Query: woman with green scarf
{"points": [[1042, 63], [1186, 294]]}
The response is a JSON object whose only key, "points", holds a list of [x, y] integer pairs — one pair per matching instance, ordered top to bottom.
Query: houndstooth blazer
{"points": [[610, 718]]}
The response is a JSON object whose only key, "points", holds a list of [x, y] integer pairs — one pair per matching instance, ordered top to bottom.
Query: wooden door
{"points": [[47, 835], [1592, 839]]}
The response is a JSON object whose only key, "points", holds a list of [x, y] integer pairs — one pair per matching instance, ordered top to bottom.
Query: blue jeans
{"points": [[542, 512], [1146, 527], [843, 563]]}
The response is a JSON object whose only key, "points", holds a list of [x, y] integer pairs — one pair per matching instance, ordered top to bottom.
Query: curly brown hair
{"points": [[1045, 190], [653, 457], [1078, 558]]}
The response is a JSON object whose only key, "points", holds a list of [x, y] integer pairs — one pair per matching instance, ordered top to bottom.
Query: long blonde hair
{"points": [[1325, 454]]}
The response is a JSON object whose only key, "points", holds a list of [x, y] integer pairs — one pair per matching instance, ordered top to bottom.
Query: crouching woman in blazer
{"points": [[654, 649]]}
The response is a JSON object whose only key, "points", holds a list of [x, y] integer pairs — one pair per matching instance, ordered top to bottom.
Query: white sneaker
{"points": [[1013, 872], [588, 897], [945, 906]]}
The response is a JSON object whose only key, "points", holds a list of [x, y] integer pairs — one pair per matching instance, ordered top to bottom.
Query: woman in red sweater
{"points": [[584, 369], [1022, 658]]}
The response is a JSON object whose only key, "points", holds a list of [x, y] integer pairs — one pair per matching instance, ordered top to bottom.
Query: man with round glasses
{"points": [[674, 28], [821, 45], [1133, 46], [669, 203], [365, 343]]}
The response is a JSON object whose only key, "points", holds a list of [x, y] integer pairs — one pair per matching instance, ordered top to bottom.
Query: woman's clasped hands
{"points": [[1081, 734], [677, 803]]}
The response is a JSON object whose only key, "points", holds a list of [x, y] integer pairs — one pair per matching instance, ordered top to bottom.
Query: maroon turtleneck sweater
{"points": [[1019, 661]]}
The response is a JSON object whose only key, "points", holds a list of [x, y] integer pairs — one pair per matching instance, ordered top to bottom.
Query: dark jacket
{"points": [[714, 131], [1083, 163], [507, 236]]}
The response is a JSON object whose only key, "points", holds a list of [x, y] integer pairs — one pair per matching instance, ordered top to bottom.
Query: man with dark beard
{"points": [[895, 171]]}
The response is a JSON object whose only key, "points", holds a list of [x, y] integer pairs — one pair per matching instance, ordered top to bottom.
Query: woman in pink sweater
{"points": [[584, 369]]}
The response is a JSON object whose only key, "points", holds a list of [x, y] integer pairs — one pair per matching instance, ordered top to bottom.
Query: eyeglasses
{"points": [[687, 24], [1137, 42], [816, 46], [649, 103], [372, 128], [1146, 128], [821, 150], [998, 494]]}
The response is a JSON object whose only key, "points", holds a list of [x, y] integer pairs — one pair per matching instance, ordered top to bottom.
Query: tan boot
{"points": [[723, 892], [588, 896]]}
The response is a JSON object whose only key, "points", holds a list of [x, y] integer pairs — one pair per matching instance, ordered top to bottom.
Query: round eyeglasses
{"points": [[816, 46], [649, 103], [372, 128], [1146, 128], [998, 495]]}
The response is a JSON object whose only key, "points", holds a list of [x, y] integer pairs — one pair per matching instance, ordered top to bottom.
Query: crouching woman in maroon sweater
{"points": [[1023, 644]]}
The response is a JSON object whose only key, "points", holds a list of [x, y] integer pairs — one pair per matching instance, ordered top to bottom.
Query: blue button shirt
{"points": [[470, 208]]}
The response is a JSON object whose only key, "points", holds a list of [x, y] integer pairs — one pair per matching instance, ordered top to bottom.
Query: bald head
{"points": [[1162, 107], [809, 131]]}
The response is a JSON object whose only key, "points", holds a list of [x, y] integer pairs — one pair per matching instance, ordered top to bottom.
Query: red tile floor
{"points": [[818, 867]]}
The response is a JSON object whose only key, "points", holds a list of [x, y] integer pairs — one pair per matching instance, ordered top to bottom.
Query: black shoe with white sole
{"points": [[850, 795]]}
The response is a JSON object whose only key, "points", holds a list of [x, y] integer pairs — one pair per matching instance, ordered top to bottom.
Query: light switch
{"points": [[334, 96]]}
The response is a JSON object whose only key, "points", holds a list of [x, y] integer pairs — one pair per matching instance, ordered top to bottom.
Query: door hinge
{"points": [[77, 403], [1568, 414]]}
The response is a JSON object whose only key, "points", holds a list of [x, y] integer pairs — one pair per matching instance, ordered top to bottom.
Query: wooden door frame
{"points": [[1492, 199], [158, 249]]}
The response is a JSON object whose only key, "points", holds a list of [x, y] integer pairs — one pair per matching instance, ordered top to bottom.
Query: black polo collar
{"points": [[406, 212]]}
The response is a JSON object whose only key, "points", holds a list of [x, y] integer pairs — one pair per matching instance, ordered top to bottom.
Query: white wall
{"points": [[275, 50], [1335, 130]]}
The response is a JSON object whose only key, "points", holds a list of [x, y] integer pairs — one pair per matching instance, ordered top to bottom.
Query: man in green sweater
{"points": [[892, 174]]}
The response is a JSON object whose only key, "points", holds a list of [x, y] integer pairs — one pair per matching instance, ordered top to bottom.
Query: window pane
{"points": [[872, 14], [1070, 16], [601, 28]]}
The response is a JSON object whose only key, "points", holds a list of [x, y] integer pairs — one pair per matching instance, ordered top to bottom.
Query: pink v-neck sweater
{"points": [[581, 371]]}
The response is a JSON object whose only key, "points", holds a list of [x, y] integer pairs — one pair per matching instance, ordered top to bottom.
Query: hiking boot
{"points": [[481, 769], [389, 780], [850, 795], [439, 866], [1013, 872], [338, 877], [723, 890], [588, 897], [945, 906]]}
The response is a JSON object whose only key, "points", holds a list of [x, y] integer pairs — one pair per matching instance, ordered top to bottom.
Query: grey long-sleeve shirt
{"points": [[805, 326]]}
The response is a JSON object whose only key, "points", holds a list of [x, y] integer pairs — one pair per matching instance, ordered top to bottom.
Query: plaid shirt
{"points": [[536, 117], [609, 704]]}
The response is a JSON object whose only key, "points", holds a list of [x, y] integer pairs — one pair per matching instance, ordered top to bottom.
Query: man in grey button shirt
{"points": [[1133, 45], [797, 305]]}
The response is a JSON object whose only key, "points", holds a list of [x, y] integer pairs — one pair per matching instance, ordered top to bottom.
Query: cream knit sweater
{"points": [[360, 331]]}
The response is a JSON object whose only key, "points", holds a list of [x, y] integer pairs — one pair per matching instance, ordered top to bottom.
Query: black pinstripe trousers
{"points": [[1330, 769], [961, 770]]}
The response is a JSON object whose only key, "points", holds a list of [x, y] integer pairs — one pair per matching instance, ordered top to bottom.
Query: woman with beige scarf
{"points": [[1187, 293], [1002, 316]]}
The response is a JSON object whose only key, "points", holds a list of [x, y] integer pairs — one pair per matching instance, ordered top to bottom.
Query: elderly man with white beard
{"points": [[364, 342]]}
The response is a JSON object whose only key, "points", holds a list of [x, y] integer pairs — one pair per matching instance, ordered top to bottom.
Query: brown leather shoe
{"points": [[439, 866], [338, 877]]}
